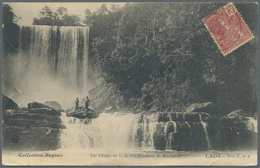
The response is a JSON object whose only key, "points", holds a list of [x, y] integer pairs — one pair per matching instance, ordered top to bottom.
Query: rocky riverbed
{"points": [[36, 127], [41, 127]]}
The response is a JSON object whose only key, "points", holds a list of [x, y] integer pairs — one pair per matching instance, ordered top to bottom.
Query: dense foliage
{"points": [[59, 18], [10, 30], [161, 57]]}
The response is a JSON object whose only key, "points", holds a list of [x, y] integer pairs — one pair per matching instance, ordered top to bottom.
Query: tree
{"points": [[115, 7], [103, 9], [62, 11], [46, 12], [87, 13], [8, 15], [46, 17], [59, 18], [71, 20], [10, 31]]}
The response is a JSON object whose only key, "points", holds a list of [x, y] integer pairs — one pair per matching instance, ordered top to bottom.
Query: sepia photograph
{"points": [[129, 83]]}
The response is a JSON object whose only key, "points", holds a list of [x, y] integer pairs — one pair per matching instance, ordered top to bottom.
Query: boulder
{"points": [[8, 103], [53, 104], [37, 105], [200, 107], [81, 113], [237, 114], [32, 128], [237, 131]]}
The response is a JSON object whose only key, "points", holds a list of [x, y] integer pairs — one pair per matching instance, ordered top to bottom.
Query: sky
{"points": [[29, 10]]}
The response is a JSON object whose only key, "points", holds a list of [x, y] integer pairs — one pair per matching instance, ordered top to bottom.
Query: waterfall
{"points": [[52, 63], [173, 122], [204, 125], [189, 128], [124, 130], [106, 131], [78, 134]]}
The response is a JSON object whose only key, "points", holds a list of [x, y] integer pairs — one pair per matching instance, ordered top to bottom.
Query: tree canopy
{"points": [[59, 18], [10, 30]]}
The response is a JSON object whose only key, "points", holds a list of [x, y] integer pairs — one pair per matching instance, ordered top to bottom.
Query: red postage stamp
{"points": [[228, 28]]}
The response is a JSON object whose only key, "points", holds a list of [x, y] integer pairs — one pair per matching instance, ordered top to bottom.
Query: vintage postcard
{"points": [[129, 84]]}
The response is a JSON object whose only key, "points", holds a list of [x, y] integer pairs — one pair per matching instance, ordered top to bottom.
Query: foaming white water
{"points": [[115, 129], [124, 130], [107, 131], [80, 136]]}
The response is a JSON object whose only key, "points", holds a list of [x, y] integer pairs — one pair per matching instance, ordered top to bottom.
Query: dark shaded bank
{"points": [[34, 128]]}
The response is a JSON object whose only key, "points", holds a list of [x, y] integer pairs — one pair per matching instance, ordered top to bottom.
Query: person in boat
{"points": [[86, 102], [76, 103]]}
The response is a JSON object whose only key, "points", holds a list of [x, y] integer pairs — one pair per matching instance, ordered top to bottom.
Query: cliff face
{"points": [[106, 95]]}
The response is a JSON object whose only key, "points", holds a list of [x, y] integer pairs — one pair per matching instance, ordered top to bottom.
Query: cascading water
{"points": [[52, 63], [189, 128], [123, 130], [205, 130], [106, 131]]}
